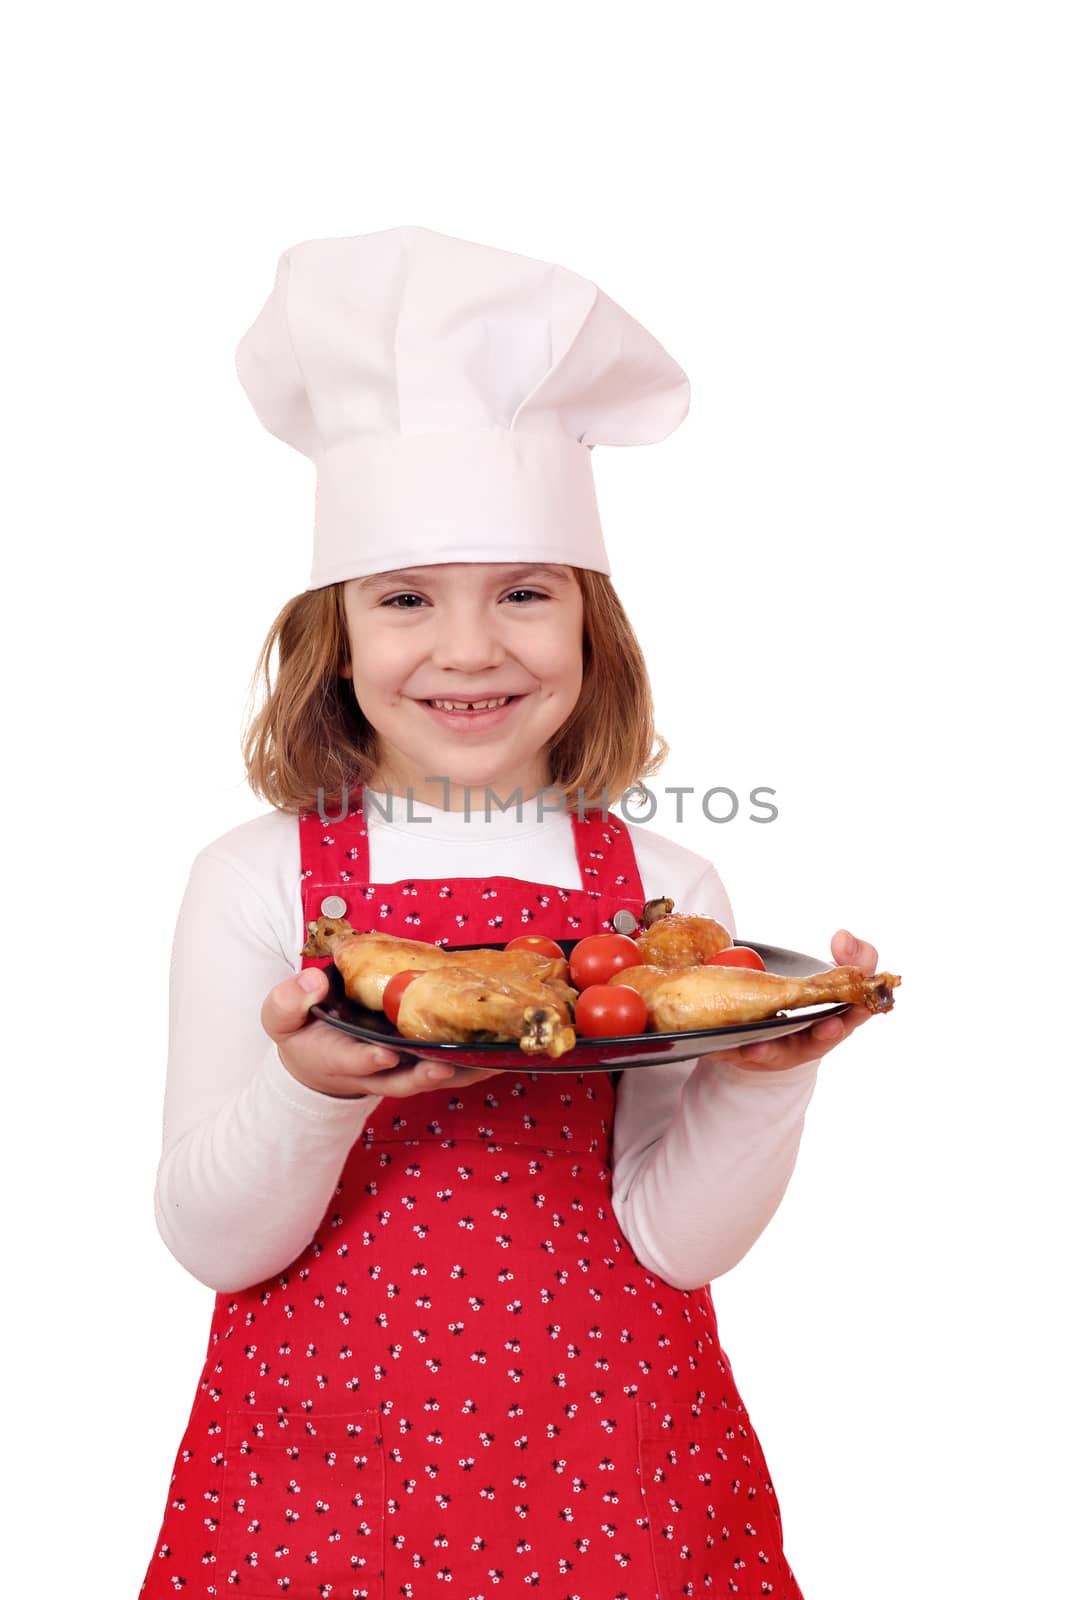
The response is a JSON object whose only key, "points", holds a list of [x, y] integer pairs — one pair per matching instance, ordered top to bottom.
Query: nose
{"points": [[465, 641]]}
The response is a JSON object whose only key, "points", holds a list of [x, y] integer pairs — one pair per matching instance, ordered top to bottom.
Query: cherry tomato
{"points": [[537, 944], [738, 955], [597, 957], [393, 992], [603, 1010]]}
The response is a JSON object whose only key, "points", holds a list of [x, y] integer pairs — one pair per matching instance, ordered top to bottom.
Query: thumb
{"points": [[851, 952], [287, 1007]]}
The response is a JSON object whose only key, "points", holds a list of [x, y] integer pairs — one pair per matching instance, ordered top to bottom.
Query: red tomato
{"points": [[537, 943], [738, 955], [597, 957], [394, 991], [603, 1010]]}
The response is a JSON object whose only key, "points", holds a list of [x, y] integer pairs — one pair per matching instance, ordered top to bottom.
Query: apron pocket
{"points": [[303, 1507], [714, 1519]]}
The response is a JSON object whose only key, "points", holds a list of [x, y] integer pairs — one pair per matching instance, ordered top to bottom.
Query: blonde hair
{"points": [[308, 733]]}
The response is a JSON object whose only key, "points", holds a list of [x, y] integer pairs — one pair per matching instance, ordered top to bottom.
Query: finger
{"points": [[848, 951], [866, 957], [286, 1008], [853, 1019], [828, 1030], [807, 1044], [768, 1056], [438, 1069], [421, 1075], [455, 1077], [395, 1082]]}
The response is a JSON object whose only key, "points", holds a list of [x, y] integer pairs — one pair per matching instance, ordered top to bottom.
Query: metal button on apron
{"points": [[333, 905], [625, 922]]}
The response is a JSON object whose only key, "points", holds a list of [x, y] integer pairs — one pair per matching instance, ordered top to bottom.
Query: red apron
{"points": [[467, 1384]]}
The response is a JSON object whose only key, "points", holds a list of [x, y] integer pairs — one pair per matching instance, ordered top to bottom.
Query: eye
{"points": [[535, 593], [407, 595]]}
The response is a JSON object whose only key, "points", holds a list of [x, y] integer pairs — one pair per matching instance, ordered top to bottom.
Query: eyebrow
{"points": [[415, 574]]}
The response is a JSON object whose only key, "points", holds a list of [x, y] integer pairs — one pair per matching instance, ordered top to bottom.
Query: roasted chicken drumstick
{"points": [[367, 961], [461, 996], [720, 997], [458, 1005]]}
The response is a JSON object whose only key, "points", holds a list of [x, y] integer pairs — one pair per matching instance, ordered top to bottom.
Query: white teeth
{"points": [[469, 705]]}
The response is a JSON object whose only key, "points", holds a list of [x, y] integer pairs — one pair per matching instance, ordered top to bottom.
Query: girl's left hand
{"points": [[814, 1042]]}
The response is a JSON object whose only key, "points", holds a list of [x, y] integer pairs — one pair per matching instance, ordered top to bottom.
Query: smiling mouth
{"points": [[491, 704]]}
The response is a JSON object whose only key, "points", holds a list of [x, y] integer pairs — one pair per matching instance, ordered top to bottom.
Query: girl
{"points": [[463, 1333]]}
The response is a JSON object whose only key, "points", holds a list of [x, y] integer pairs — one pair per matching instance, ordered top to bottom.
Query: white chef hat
{"points": [[449, 395]]}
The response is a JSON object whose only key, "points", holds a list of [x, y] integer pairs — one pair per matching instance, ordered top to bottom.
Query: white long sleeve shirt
{"points": [[702, 1149]]}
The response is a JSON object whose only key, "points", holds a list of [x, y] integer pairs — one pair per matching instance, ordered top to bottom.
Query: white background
{"points": [[853, 569]]}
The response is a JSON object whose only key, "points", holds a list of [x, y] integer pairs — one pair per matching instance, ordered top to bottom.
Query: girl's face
{"points": [[465, 631]]}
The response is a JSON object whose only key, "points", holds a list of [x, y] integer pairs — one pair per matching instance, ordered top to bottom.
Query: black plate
{"points": [[590, 1055]]}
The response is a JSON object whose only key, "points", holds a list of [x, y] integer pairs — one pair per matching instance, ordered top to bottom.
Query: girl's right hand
{"points": [[332, 1062]]}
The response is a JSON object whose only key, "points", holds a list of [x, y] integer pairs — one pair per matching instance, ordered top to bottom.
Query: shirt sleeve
{"points": [[703, 1151], [250, 1156]]}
